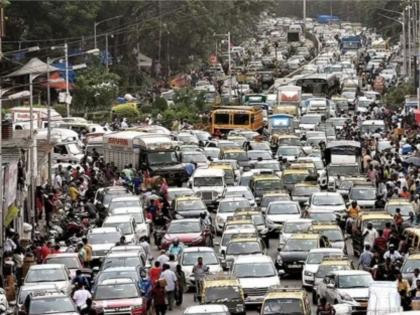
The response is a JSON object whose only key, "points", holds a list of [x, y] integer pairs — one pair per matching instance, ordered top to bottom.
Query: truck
{"points": [[353, 42], [289, 94], [21, 117], [152, 152]]}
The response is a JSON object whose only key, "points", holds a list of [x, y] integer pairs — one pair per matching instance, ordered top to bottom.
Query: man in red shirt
{"points": [[387, 231], [380, 243], [45, 250], [154, 272]]}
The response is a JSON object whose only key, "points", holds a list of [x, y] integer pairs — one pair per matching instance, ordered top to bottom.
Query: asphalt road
{"points": [[285, 282]]}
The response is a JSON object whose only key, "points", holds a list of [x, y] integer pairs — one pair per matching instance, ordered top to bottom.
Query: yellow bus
{"points": [[226, 118]]}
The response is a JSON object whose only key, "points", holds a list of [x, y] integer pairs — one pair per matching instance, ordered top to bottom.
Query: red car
{"points": [[190, 232], [118, 296]]}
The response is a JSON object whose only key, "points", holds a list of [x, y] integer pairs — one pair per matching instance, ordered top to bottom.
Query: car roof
{"points": [[204, 172], [129, 197], [118, 218], [185, 220], [103, 230], [198, 249], [326, 250], [122, 254], [63, 255], [253, 259], [47, 266], [350, 272], [116, 281], [287, 293], [204, 309]]}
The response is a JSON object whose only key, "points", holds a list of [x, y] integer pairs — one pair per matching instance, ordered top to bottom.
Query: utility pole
{"points": [[304, 11], [409, 42], [106, 52], [66, 56], [230, 69], [49, 122], [31, 151], [2, 234]]}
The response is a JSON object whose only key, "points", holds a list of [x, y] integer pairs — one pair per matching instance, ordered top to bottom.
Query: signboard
{"points": [[25, 116], [10, 183]]}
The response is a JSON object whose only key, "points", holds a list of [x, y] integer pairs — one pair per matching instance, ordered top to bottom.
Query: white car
{"points": [[310, 122], [209, 184], [240, 191], [328, 202], [227, 208], [279, 212], [126, 224], [142, 224], [291, 227], [228, 234], [102, 240], [189, 258], [313, 261], [54, 274], [256, 274], [346, 286], [214, 309]]}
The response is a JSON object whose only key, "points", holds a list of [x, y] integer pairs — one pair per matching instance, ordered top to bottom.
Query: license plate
{"points": [[295, 266], [363, 304]]}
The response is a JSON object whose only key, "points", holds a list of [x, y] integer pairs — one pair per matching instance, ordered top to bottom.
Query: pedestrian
{"points": [[353, 211], [398, 220], [387, 231], [369, 235], [121, 242], [380, 243], [146, 246], [175, 248], [81, 251], [89, 252], [392, 254], [163, 258], [365, 258], [172, 262], [154, 272], [416, 274], [80, 278], [171, 284], [181, 284], [404, 290], [81, 295], [158, 295], [324, 308], [89, 310]]}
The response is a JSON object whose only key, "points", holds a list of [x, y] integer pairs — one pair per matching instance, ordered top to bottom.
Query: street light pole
{"points": [[304, 11], [409, 42], [106, 51], [66, 56], [229, 69], [49, 122], [31, 150]]}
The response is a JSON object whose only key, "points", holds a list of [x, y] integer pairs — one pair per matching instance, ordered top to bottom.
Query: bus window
{"points": [[221, 119], [241, 119]]}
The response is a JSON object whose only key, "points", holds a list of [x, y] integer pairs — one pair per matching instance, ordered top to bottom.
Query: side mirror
{"points": [[95, 269], [281, 272]]}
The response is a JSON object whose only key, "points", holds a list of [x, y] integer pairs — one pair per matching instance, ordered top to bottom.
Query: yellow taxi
{"points": [[290, 177], [230, 178], [263, 183], [189, 206], [332, 232], [241, 245], [286, 301]]}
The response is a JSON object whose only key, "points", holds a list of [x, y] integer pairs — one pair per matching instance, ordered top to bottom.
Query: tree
{"points": [[95, 90]]}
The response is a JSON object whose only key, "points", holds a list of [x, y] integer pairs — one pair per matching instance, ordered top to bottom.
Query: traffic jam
{"points": [[298, 195]]}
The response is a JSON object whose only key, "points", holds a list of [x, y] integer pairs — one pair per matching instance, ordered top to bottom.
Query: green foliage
{"points": [[95, 89], [395, 96], [160, 104], [61, 109], [125, 111]]}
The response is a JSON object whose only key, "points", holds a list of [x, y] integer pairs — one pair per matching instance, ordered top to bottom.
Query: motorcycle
{"points": [[158, 234]]}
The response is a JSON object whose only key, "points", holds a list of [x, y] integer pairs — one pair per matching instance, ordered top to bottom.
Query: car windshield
{"points": [[307, 119], [260, 146], [74, 148], [288, 151], [255, 155], [238, 156], [162, 157], [197, 158], [274, 166], [342, 170], [294, 178], [208, 181], [268, 184], [305, 190], [239, 193], [173, 194], [362, 194], [107, 198], [266, 200], [328, 200], [124, 204], [186, 205], [231, 206], [283, 208], [405, 209], [136, 213], [322, 216], [258, 219], [181, 227], [295, 227], [126, 228], [333, 235], [103, 238], [304, 245], [243, 248], [190, 258], [316, 258], [69, 262], [110, 262], [410, 265], [254, 270], [323, 270], [124, 274], [46, 275], [354, 281], [116, 292], [221, 294], [52, 305], [283, 306]]}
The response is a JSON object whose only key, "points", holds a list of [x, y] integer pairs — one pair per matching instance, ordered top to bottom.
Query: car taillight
{"points": [[137, 310]]}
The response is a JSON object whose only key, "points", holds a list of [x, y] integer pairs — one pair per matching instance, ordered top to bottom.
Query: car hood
{"points": [[164, 167], [327, 208], [282, 217], [187, 237], [337, 244], [106, 246], [294, 256], [311, 268], [259, 282], [356, 292], [119, 303]]}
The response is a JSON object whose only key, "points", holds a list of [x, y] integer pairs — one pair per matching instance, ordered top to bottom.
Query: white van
{"points": [[209, 184], [383, 298]]}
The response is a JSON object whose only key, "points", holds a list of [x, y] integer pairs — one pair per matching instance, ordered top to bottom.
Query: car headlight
{"points": [[309, 274], [346, 297], [239, 308]]}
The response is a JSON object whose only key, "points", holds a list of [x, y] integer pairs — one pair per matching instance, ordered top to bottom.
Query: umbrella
{"points": [[33, 66], [413, 160]]}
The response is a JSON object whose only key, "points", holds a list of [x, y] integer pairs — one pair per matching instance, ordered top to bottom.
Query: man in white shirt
{"points": [[58, 181], [370, 234], [146, 247], [163, 258], [170, 287], [81, 295]]}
